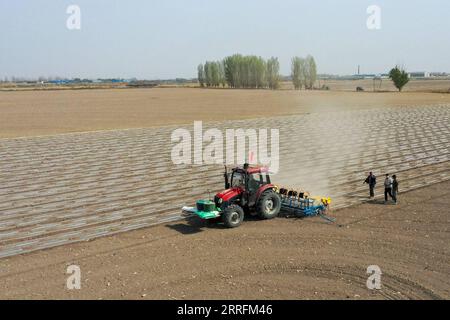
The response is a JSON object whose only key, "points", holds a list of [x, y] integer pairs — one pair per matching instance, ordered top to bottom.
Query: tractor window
{"points": [[257, 177], [265, 178], [262, 179], [237, 180], [255, 181]]}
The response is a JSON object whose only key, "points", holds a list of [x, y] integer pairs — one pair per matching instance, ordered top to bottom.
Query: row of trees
{"points": [[238, 71], [303, 72], [212, 74]]}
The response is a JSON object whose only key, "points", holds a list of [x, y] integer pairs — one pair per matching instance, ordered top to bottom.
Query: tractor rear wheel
{"points": [[269, 205], [233, 216]]}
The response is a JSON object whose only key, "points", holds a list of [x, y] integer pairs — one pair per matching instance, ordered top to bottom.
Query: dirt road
{"points": [[278, 259]]}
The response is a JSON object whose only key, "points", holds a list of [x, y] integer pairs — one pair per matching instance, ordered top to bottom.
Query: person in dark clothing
{"points": [[371, 180], [387, 187], [394, 188]]}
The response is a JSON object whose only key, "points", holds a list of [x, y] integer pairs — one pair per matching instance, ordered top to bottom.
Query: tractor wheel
{"points": [[269, 205], [233, 216]]}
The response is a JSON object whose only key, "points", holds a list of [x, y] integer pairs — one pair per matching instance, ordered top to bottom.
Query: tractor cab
{"points": [[247, 177], [244, 185]]}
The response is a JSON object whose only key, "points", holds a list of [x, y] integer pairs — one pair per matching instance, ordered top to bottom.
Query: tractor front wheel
{"points": [[269, 205], [233, 216]]}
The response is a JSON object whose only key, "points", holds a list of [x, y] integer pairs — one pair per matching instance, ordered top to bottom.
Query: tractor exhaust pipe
{"points": [[227, 183]]}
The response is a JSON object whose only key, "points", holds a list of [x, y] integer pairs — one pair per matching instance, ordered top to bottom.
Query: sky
{"points": [[163, 39]]}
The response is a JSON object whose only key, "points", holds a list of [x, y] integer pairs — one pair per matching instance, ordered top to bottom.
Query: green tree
{"points": [[310, 65], [221, 68], [232, 70], [239, 71], [244, 71], [296, 72], [260, 73], [273, 73], [208, 74], [214, 74], [304, 74], [201, 75], [399, 76]]}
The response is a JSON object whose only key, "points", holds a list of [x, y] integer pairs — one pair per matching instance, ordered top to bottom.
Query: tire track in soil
{"points": [[393, 286]]}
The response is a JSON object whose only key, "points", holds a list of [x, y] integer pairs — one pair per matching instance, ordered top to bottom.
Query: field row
{"points": [[73, 187]]}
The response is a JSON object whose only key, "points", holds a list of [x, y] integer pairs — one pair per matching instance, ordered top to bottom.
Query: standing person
{"points": [[371, 180], [387, 187], [394, 188]]}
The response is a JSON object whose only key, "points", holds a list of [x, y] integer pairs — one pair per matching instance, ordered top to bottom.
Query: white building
{"points": [[419, 74]]}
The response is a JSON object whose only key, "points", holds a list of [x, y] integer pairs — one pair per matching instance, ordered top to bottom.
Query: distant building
{"points": [[419, 74], [439, 74], [359, 77], [59, 81]]}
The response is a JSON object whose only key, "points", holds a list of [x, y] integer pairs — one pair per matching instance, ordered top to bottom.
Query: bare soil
{"points": [[31, 113], [278, 259]]}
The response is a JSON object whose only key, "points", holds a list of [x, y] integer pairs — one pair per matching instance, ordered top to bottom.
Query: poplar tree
{"points": [[201, 75]]}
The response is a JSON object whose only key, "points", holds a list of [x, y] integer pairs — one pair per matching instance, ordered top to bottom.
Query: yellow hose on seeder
{"points": [[326, 201]]}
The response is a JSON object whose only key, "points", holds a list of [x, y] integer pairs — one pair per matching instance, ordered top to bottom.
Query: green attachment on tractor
{"points": [[206, 209]]}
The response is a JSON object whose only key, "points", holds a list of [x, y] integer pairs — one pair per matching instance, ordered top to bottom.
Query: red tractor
{"points": [[247, 190]]}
